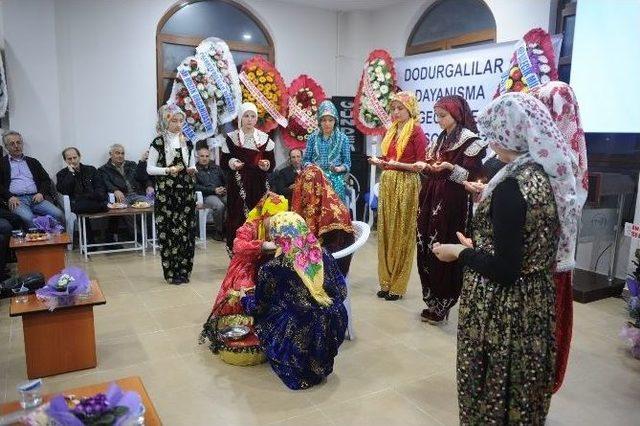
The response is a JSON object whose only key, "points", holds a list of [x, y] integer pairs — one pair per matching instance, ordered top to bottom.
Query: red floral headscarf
{"points": [[459, 109], [315, 200]]}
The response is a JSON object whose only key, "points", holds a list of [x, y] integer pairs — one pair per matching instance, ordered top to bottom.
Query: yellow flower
{"points": [[253, 68], [259, 72], [252, 76], [269, 78], [262, 80], [260, 87]]}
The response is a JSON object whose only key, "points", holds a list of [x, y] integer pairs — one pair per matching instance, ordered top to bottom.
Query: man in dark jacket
{"points": [[119, 176], [282, 180], [211, 181], [24, 183], [83, 184]]}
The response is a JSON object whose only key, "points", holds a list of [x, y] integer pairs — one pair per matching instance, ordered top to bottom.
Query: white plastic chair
{"points": [[353, 192], [70, 218], [202, 218], [361, 231]]}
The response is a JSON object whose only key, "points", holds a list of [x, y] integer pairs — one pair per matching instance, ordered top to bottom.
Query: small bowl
{"points": [[234, 332]]}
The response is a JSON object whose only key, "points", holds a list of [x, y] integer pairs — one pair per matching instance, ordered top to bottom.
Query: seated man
{"points": [[119, 176], [284, 179], [211, 181], [25, 183], [83, 184], [297, 305]]}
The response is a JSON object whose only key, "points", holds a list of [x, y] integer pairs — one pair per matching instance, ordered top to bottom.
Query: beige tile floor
{"points": [[398, 371]]}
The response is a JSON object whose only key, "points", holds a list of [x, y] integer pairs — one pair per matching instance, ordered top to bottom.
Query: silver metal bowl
{"points": [[234, 332]]}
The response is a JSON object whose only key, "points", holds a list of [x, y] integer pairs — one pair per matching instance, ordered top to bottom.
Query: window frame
{"points": [[462, 40], [192, 41]]}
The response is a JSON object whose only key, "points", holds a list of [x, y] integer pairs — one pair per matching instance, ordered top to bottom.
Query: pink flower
{"points": [[543, 153], [562, 170], [311, 239], [299, 242], [285, 243], [315, 255], [302, 261]]}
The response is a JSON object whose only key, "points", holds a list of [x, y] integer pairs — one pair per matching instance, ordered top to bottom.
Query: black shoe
{"points": [[185, 280], [176, 281], [382, 294], [392, 297]]}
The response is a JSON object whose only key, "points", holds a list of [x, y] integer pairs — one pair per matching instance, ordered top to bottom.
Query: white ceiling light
{"points": [[246, 36]]}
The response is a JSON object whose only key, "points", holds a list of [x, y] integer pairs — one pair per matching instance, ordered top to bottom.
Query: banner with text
{"points": [[473, 73]]}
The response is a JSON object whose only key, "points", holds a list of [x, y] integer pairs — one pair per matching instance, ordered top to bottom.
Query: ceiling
{"points": [[346, 5]]}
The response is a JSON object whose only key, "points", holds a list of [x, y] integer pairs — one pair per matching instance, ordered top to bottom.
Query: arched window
{"points": [[188, 22], [448, 24]]}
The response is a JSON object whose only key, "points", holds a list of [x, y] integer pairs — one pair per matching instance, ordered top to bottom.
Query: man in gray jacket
{"points": [[211, 181]]}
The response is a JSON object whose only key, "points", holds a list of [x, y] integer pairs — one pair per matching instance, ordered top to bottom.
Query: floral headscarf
{"points": [[408, 99], [561, 102], [327, 108], [459, 109], [519, 122], [162, 127], [315, 200], [269, 205], [302, 250]]}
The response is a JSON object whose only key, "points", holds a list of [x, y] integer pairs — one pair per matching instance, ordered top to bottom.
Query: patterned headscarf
{"points": [[408, 99], [561, 102], [327, 108], [459, 109], [164, 113], [519, 122], [315, 200], [269, 205], [302, 251]]}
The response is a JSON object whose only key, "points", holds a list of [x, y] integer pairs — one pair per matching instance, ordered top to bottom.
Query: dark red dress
{"points": [[245, 187], [444, 209]]}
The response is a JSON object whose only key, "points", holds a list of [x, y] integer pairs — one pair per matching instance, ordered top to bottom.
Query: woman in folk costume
{"points": [[561, 102], [403, 147], [329, 148], [247, 154], [172, 162], [445, 206], [328, 218], [524, 222], [251, 249], [298, 305]]}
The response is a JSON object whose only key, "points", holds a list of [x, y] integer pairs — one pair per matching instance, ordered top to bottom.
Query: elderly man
{"points": [[119, 176], [210, 180], [282, 181], [24, 183], [82, 183]]}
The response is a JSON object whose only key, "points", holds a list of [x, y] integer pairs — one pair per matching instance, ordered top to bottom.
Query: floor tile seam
{"points": [[417, 407]]}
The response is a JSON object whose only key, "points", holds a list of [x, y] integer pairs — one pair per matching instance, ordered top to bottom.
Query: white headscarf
{"points": [[244, 108], [521, 123], [162, 127]]}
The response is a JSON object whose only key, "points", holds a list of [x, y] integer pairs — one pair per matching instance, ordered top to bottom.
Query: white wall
{"points": [[32, 75]]}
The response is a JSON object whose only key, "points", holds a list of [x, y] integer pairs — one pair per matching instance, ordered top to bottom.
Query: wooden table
{"points": [[46, 256], [61, 340], [128, 384]]}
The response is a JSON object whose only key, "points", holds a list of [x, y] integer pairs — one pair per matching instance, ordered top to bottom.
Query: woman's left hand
{"points": [[264, 165], [438, 167], [338, 169], [447, 252]]}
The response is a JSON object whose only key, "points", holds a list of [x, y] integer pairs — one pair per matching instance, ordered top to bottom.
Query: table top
{"points": [[118, 212], [56, 239], [34, 305], [133, 383]]}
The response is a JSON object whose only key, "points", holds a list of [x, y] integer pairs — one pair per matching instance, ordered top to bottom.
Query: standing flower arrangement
{"points": [[532, 64], [223, 76], [263, 86], [194, 94], [305, 94], [374, 94]]}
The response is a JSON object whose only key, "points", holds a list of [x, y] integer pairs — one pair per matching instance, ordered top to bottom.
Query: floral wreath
{"points": [[263, 85], [305, 94]]}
